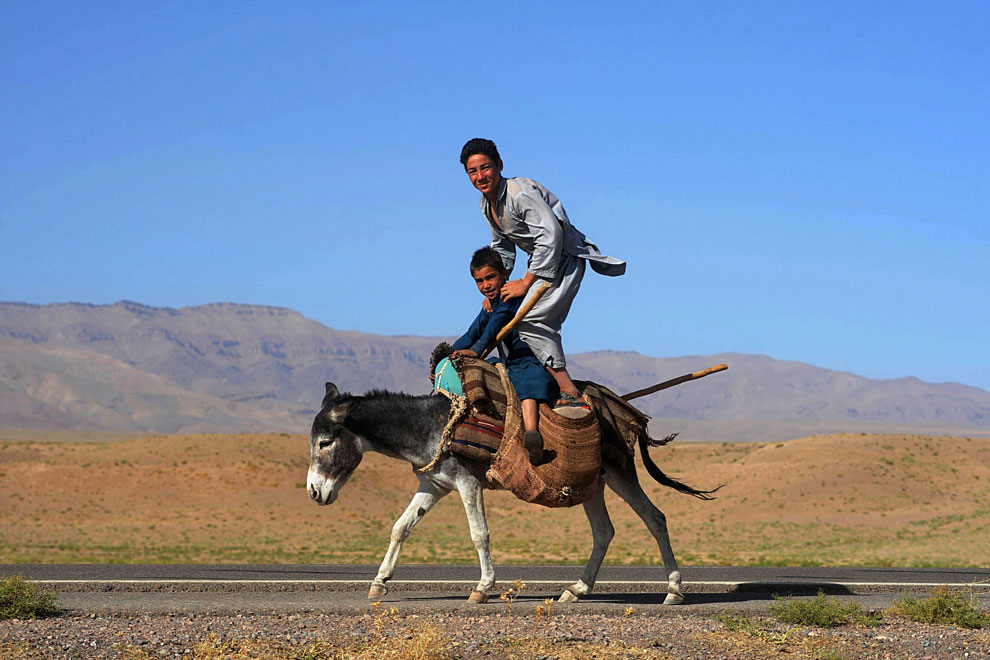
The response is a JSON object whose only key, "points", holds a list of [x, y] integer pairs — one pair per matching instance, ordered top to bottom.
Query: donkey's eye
{"points": [[325, 444]]}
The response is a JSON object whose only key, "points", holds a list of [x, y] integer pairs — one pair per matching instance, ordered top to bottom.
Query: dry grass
{"points": [[848, 499]]}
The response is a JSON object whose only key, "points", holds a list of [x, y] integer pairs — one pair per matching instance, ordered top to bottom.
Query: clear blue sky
{"points": [[808, 181]]}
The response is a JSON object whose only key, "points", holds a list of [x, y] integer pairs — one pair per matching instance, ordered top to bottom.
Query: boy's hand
{"points": [[514, 289], [486, 305], [464, 352]]}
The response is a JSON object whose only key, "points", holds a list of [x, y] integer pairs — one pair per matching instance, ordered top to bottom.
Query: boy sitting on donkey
{"points": [[532, 382]]}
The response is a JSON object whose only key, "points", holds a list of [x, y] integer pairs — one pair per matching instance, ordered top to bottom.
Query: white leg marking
{"points": [[422, 501], [474, 506], [575, 592], [674, 595]]}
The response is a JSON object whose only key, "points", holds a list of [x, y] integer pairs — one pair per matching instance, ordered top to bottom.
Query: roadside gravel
{"points": [[455, 635]]}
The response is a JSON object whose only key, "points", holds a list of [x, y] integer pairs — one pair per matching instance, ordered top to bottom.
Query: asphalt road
{"points": [[232, 588]]}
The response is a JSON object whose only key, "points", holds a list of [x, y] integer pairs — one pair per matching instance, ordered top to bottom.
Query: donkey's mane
{"points": [[386, 394], [373, 395]]}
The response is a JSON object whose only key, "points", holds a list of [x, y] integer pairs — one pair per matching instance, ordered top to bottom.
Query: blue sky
{"points": [[807, 181]]}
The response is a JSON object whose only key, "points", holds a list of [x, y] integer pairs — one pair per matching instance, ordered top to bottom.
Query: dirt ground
{"points": [[850, 499], [391, 634]]}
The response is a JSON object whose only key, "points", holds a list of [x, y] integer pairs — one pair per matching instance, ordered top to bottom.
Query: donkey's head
{"points": [[334, 450]]}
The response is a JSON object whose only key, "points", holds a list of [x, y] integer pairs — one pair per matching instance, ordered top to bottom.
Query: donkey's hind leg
{"points": [[625, 483], [426, 496], [602, 533]]}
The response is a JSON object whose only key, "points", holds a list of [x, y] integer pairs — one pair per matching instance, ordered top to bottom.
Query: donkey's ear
{"points": [[330, 396], [340, 411]]}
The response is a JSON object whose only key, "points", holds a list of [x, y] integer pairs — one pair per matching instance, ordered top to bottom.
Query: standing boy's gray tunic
{"points": [[534, 220]]}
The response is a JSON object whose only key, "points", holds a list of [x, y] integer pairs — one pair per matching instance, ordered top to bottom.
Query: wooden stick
{"points": [[511, 325], [675, 381]]}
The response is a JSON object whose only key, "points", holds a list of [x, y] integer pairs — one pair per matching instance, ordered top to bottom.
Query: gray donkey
{"points": [[408, 428]]}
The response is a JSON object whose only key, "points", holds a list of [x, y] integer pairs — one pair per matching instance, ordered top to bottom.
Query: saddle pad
{"points": [[445, 378], [483, 386], [622, 424], [612, 430], [478, 437]]}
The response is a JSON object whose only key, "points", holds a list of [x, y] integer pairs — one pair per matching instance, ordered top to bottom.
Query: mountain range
{"points": [[245, 368]]}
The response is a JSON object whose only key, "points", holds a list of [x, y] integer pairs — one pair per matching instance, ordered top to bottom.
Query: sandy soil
{"points": [[831, 500]]}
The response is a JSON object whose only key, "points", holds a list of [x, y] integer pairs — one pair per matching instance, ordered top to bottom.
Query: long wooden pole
{"points": [[511, 325], [675, 381]]}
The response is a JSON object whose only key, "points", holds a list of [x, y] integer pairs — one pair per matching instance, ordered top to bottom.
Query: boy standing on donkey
{"points": [[523, 214], [531, 381]]}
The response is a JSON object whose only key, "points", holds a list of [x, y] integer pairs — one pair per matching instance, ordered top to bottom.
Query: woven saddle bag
{"points": [[572, 448]]}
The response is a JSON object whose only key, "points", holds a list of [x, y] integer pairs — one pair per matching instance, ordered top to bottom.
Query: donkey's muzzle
{"points": [[322, 496]]}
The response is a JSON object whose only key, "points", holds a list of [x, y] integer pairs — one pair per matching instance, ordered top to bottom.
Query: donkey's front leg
{"points": [[426, 496], [473, 497]]}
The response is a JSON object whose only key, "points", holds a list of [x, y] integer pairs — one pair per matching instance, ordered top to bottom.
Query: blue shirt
{"points": [[485, 328], [529, 378]]}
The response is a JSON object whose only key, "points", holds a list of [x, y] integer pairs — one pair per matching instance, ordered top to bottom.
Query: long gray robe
{"points": [[534, 220]]}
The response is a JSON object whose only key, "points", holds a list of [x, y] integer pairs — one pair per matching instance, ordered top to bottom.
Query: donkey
{"points": [[409, 428]]}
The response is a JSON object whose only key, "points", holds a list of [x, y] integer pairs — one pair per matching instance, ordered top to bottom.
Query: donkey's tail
{"points": [[663, 479]]}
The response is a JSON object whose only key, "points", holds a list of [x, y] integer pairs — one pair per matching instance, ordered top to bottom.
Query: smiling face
{"points": [[485, 173], [489, 281]]}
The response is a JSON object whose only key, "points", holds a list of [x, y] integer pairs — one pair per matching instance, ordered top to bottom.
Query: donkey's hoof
{"points": [[377, 591], [478, 597], [568, 597], [673, 599]]}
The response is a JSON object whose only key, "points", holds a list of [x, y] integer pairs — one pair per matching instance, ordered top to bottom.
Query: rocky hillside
{"points": [[229, 367]]}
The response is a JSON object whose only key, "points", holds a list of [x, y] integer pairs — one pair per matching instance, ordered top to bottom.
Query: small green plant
{"points": [[20, 599], [943, 607], [821, 612], [738, 623], [781, 639]]}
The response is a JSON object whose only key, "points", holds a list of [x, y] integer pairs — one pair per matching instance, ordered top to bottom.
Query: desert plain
{"points": [[834, 500]]}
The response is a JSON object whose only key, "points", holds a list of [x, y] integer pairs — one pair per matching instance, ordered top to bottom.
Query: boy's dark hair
{"points": [[482, 146], [487, 256]]}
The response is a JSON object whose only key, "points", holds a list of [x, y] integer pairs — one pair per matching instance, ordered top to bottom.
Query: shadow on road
{"points": [[743, 593]]}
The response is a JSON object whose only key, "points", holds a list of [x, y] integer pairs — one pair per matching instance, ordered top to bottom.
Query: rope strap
{"points": [[459, 408]]}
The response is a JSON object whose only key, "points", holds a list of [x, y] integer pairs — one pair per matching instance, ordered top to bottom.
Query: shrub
{"points": [[20, 599], [945, 608], [821, 612]]}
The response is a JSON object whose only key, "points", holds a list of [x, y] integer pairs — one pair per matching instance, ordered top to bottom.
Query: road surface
{"points": [[231, 588]]}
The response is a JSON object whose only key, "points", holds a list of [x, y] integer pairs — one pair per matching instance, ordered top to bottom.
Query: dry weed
{"points": [[509, 597]]}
